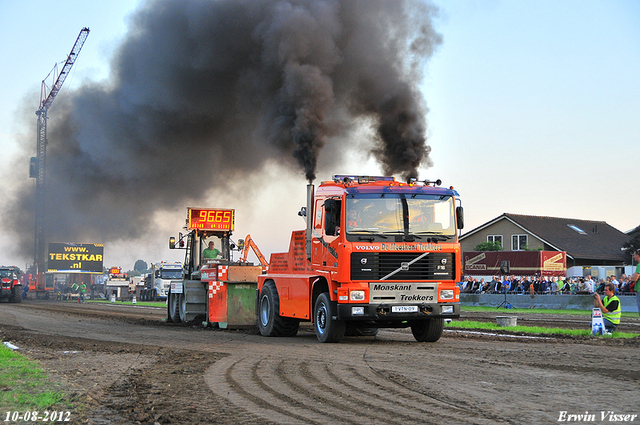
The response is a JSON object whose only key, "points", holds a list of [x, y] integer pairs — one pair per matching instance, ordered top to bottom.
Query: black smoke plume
{"points": [[203, 92]]}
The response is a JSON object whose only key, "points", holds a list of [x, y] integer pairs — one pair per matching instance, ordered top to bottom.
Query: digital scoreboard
{"points": [[210, 219]]}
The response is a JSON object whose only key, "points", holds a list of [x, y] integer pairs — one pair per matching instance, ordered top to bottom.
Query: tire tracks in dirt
{"points": [[308, 391]]}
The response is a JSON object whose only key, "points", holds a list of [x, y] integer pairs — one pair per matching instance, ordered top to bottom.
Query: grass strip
{"points": [[537, 311], [538, 330], [23, 385]]}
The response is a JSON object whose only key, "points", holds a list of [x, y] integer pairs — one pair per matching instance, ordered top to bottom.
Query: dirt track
{"points": [[129, 367]]}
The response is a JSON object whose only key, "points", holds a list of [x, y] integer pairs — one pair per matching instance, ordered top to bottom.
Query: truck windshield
{"points": [[408, 214], [171, 274]]}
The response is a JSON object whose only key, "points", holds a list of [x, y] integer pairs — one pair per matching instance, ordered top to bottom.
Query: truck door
{"points": [[325, 232], [317, 250]]}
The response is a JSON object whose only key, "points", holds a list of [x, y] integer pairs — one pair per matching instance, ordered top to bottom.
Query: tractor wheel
{"points": [[16, 294], [174, 307], [270, 322], [327, 328], [429, 330]]}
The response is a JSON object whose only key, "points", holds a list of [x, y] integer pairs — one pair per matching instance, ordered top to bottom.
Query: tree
{"points": [[488, 246], [630, 247], [527, 248], [140, 266]]}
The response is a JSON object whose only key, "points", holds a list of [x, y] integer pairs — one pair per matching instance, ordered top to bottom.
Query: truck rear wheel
{"points": [[16, 294], [270, 322], [327, 328], [429, 330]]}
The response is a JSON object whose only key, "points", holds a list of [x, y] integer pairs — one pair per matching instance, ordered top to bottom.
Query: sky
{"points": [[532, 109]]}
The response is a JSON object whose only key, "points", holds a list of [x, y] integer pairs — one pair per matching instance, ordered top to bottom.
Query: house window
{"points": [[495, 239], [518, 242]]}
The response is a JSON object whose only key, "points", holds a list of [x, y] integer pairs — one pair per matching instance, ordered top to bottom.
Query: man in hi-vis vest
{"points": [[610, 307]]}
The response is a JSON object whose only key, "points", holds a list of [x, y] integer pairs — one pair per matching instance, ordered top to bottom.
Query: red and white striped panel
{"points": [[222, 272], [214, 287]]}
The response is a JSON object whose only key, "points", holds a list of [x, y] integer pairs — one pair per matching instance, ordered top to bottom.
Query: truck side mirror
{"points": [[460, 217], [172, 242]]}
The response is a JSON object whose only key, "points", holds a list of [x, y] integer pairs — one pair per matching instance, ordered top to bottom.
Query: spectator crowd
{"points": [[545, 285]]}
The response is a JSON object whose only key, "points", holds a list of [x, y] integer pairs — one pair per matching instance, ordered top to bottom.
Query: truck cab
{"points": [[377, 253], [158, 282]]}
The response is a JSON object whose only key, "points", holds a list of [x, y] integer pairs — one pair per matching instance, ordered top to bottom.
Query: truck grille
{"points": [[377, 265]]}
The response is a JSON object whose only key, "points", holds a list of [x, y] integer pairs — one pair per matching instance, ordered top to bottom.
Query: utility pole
{"points": [[37, 167]]}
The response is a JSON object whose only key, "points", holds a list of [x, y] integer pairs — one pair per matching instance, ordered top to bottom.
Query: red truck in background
{"points": [[376, 253], [10, 284]]}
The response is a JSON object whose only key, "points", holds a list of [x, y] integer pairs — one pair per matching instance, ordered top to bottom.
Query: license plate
{"points": [[404, 309]]}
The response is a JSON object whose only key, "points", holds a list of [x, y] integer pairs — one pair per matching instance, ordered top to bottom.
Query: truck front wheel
{"points": [[269, 320], [327, 328], [429, 330]]}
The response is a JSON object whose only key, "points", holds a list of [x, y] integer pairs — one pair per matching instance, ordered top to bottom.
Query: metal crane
{"points": [[38, 164]]}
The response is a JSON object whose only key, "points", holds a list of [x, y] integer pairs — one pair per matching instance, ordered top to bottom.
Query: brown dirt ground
{"points": [[204, 376]]}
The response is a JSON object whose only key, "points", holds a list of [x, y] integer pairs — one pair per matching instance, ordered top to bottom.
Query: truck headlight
{"points": [[446, 294], [357, 295], [447, 309], [357, 311]]}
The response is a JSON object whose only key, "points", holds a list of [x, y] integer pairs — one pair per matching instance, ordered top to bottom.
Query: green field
{"points": [[138, 303], [538, 311], [534, 330], [24, 386]]}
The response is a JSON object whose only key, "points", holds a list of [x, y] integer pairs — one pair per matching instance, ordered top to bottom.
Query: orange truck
{"points": [[376, 253]]}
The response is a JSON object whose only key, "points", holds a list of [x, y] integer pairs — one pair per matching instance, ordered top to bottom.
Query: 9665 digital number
{"points": [[46, 416]]}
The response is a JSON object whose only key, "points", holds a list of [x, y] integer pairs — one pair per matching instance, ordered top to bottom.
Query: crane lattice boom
{"points": [[46, 102]]}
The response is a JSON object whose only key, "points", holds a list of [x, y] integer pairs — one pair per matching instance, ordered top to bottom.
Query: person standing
{"points": [[633, 280], [615, 283], [554, 285], [590, 285], [83, 289], [610, 307]]}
